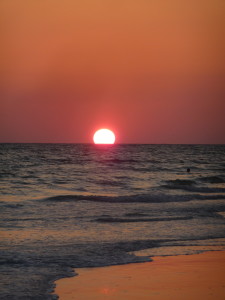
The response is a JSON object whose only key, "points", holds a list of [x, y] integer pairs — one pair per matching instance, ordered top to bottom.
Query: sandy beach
{"points": [[199, 276]]}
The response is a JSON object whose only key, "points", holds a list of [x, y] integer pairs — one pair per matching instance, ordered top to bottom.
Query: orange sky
{"points": [[152, 71]]}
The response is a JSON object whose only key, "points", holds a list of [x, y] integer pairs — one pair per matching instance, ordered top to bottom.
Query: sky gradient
{"points": [[151, 71]]}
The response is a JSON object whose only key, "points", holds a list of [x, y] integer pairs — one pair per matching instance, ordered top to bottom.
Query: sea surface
{"points": [[66, 206]]}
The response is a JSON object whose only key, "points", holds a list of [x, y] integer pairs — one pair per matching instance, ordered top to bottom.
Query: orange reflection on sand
{"points": [[185, 277], [107, 291]]}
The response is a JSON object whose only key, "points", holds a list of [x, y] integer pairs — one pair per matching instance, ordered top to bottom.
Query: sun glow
{"points": [[104, 136]]}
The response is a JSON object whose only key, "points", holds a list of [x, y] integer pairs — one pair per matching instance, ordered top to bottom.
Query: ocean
{"points": [[67, 206]]}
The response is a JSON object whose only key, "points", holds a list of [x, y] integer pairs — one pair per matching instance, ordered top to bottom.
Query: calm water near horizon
{"points": [[66, 206]]}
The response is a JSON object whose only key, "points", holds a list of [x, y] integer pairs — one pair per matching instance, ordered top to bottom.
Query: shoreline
{"points": [[196, 276]]}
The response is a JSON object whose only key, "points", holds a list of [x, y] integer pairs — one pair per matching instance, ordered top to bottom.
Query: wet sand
{"points": [[199, 276]]}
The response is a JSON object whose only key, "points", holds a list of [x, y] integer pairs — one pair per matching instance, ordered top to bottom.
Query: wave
{"points": [[119, 161], [212, 179], [111, 182], [180, 182], [191, 186], [198, 189], [141, 198], [10, 205], [136, 214], [123, 220], [11, 261]]}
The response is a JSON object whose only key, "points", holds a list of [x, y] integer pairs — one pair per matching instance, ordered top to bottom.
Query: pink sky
{"points": [[151, 71]]}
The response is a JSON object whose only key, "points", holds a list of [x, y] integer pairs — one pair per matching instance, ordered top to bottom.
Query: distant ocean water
{"points": [[66, 206]]}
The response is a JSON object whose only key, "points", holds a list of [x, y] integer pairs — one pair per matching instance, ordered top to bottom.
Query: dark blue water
{"points": [[66, 206]]}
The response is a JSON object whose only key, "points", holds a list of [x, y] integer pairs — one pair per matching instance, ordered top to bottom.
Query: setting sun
{"points": [[104, 136]]}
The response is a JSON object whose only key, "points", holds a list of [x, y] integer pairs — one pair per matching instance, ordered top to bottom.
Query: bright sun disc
{"points": [[104, 136]]}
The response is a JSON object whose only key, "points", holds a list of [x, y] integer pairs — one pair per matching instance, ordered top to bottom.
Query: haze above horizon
{"points": [[151, 71]]}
